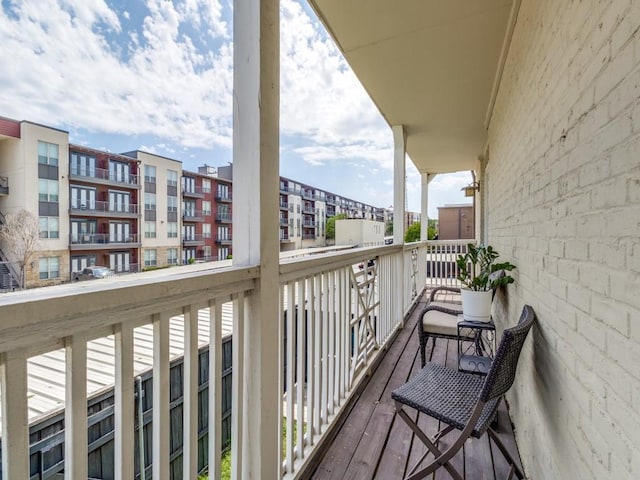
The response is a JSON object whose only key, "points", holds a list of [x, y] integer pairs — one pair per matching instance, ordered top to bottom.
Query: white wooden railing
{"points": [[337, 311]]}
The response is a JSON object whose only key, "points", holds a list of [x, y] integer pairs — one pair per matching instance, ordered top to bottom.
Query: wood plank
{"points": [[190, 392], [124, 403], [75, 411], [161, 420], [338, 456], [365, 459]]}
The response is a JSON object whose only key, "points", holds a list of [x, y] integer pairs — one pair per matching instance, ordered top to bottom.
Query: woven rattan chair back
{"points": [[503, 368]]}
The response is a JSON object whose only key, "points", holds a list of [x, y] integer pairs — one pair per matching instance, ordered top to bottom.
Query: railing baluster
{"points": [[292, 311], [331, 319], [317, 325], [310, 360], [300, 377], [238, 378], [215, 388], [124, 403], [190, 403], [75, 412], [161, 423], [15, 426]]}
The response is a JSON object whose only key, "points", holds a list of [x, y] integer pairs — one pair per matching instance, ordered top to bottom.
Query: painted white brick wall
{"points": [[564, 205]]}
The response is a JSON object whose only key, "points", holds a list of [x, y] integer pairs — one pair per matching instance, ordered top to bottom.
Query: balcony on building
{"points": [[192, 192], [226, 197], [284, 205], [104, 209], [192, 216], [223, 218], [193, 239], [224, 240], [96, 241]]}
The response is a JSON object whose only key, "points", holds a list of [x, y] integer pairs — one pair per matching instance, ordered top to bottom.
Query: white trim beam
{"points": [[399, 182]]}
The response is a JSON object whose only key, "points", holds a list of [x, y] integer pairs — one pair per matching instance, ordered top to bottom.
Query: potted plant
{"points": [[480, 275]]}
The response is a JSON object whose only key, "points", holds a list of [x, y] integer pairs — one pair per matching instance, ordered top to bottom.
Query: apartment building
{"points": [[103, 210], [304, 210], [129, 211]]}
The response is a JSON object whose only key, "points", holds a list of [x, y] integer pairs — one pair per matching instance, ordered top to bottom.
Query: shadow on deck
{"points": [[373, 442]]}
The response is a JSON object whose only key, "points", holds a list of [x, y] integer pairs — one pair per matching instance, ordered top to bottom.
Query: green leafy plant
{"points": [[477, 266]]}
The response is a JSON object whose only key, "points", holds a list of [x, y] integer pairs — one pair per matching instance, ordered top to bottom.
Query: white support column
{"points": [[256, 104], [399, 182], [424, 205], [75, 411], [15, 423]]}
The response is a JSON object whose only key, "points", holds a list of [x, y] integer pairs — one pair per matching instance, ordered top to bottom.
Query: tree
{"points": [[331, 225], [412, 233], [21, 236]]}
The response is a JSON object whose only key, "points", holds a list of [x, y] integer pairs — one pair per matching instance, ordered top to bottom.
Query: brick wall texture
{"points": [[563, 204]]}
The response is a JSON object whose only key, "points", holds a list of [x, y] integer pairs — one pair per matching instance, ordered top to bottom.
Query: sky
{"points": [[155, 75]]}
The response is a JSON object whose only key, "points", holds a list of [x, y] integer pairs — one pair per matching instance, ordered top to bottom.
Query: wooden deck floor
{"points": [[374, 443]]}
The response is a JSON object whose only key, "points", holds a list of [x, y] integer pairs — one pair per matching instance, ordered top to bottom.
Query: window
{"points": [[48, 153], [83, 165], [118, 171], [150, 174], [172, 178], [189, 184], [206, 185], [47, 190], [223, 190], [83, 197], [119, 201], [150, 201], [172, 204], [206, 207], [189, 208], [49, 227], [149, 229], [172, 230], [206, 230], [223, 233], [206, 252], [223, 253], [172, 256], [150, 258], [49, 268]]}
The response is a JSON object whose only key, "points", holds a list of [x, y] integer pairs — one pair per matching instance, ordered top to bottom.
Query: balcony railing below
{"points": [[119, 177], [101, 207], [98, 240]]}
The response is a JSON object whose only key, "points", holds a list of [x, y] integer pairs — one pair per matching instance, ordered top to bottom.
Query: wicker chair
{"points": [[440, 316], [462, 401]]}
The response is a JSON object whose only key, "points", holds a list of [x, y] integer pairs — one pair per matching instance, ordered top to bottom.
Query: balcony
{"points": [[104, 177], [195, 192], [224, 197], [284, 205], [104, 209], [309, 210], [192, 216], [223, 218], [284, 221], [193, 239], [224, 240], [96, 241]]}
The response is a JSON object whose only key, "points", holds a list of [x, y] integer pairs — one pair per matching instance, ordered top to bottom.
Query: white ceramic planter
{"points": [[476, 306]]}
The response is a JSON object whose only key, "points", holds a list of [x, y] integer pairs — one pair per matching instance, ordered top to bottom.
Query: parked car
{"points": [[91, 273]]}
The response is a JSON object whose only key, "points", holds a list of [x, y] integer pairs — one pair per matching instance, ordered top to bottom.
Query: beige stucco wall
{"points": [[162, 165], [563, 204]]}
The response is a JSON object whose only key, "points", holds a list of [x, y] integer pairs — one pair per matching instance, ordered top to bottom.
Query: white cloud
{"points": [[65, 70], [322, 100]]}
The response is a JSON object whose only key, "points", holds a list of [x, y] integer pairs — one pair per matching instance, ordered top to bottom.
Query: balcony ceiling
{"points": [[429, 65]]}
